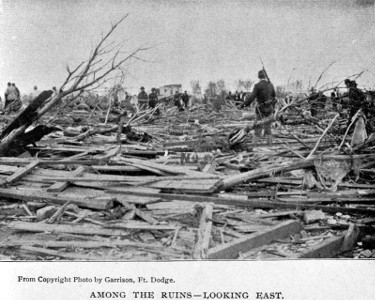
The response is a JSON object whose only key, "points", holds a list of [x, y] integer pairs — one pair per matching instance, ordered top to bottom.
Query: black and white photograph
{"points": [[225, 134]]}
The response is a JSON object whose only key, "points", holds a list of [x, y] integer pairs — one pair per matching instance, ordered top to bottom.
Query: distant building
{"points": [[170, 89]]}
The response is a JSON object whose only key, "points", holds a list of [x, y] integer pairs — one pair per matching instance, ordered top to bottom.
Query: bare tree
{"points": [[104, 63], [211, 90]]}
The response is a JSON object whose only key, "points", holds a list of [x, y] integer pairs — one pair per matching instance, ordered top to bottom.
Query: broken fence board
{"points": [[233, 249]]}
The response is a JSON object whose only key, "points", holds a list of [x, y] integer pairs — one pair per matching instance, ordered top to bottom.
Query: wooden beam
{"points": [[22, 172], [35, 195], [73, 229], [204, 232], [233, 249]]}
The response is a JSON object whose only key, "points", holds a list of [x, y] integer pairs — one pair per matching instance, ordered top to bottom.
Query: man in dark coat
{"points": [[264, 93], [142, 99], [185, 99], [357, 99], [153, 100]]}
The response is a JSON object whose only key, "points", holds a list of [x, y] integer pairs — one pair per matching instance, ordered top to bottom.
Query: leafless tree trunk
{"points": [[102, 65]]}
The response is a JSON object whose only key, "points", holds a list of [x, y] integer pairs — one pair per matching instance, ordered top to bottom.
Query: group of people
{"points": [[237, 96], [265, 97], [12, 98], [181, 101]]}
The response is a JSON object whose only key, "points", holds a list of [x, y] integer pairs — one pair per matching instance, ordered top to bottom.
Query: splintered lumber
{"points": [[22, 172], [231, 181], [60, 186], [188, 186], [37, 195], [250, 203], [145, 216], [139, 226], [84, 229], [204, 232], [328, 248], [233, 249]]}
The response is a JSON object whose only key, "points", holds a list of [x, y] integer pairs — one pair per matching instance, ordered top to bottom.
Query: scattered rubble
{"points": [[167, 187]]}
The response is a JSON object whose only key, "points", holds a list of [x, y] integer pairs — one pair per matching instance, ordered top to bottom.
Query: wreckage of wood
{"points": [[234, 249]]}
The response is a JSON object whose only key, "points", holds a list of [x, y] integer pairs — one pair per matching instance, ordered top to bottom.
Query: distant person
{"points": [[35, 92], [55, 92], [18, 94], [10, 96], [229, 96], [237, 96], [142, 98], [13, 99], [185, 99], [357, 99], [153, 100], [177, 101]]}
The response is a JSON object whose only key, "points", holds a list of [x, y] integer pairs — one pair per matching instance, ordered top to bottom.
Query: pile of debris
{"points": [[104, 186]]}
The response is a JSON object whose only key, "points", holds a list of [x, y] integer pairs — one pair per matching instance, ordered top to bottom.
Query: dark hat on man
{"points": [[261, 74], [142, 88]]}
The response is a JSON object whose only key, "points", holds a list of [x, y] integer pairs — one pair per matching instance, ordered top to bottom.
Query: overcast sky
{"points": [[192, 40]]}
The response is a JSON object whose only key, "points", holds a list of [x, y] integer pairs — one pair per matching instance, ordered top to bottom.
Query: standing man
{"points": [[264, 93], [10, 96], [142, 99], [185, 99], [357, 99], [153, 100], [177, 100]]}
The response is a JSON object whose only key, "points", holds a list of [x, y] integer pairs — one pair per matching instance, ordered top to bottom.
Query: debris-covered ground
{"points": [[98, 186]]}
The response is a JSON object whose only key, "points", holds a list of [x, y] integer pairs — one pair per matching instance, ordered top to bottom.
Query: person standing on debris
{"points": [[18, 93], [265, 95], [10, 97], [142, 98], [185, 99], [357, 99], [153, 100], [177, 100], [357, 103]]}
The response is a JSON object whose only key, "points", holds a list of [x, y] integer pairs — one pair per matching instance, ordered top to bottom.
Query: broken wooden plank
{"points": [[22, 172], [60, 186], [37, 195], [253, 203], [63, 228], [204, 232], [232, 250]]}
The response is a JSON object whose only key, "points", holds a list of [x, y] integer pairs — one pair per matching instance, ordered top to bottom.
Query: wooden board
{"points": [[37, 195], [232, 249]]}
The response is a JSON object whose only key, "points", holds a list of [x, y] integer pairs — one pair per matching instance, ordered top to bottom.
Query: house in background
{"points": [[170, 89]]}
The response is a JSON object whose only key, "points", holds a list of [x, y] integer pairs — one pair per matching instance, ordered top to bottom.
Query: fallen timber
{"points": [[184, 194]]}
